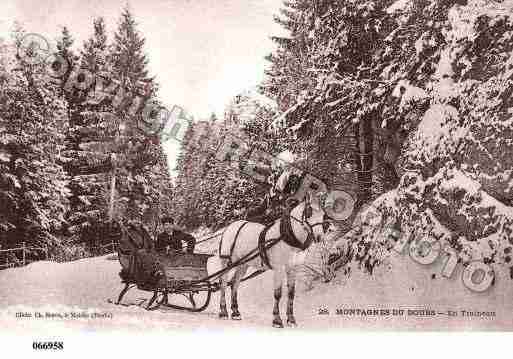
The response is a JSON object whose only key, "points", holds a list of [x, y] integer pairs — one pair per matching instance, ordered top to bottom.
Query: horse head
{"points": [[310, 215]]}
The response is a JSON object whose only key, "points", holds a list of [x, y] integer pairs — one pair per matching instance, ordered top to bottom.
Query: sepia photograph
{"points": [[271, 166]]}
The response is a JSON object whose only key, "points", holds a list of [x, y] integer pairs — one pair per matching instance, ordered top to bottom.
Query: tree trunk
{"points": [[364, 158]]}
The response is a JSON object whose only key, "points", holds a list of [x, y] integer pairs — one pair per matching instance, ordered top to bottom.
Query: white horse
{"points": [[242, 238]]}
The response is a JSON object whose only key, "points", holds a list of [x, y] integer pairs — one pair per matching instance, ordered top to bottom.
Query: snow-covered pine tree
{"points": [[65, 45], [65, 49], [448, 66], [288, 75], [335, 110], [91, 124], [144, 176], [33, 184], [210, 192], [196, 198]]}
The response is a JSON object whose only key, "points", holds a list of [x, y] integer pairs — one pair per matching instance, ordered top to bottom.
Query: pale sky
{"points": [[203, 52]]}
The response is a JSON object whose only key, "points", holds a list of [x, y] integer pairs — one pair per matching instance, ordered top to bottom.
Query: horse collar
{"points": [[288, 236]]}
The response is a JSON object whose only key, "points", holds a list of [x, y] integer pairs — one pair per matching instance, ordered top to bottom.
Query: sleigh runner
{"points": [[162, 274], [169, 274]]}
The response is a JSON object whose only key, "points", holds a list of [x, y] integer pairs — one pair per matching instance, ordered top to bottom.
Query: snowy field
{"points": [[85, 286]]}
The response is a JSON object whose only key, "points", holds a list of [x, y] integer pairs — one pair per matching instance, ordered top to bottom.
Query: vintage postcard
{"points": [[311, 165]]}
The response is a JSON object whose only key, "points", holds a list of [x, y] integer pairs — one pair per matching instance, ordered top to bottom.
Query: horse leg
{"points": [[239, 273], [277, 278], [291, 291], [123, 292], [223, 313]]}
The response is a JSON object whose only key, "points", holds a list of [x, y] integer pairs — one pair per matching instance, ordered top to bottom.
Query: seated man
{"points": [[259, 211], [172, 238], [136, 253]]}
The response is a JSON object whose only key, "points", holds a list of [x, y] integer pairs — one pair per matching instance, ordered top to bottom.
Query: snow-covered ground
{"points": [[85, 286]]}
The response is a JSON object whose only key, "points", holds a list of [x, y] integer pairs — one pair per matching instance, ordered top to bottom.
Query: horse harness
{"points": [[286, 234], [232, 248]]}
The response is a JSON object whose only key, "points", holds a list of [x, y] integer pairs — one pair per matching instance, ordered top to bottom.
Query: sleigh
{"points": [[162, 274], [168, 275]]}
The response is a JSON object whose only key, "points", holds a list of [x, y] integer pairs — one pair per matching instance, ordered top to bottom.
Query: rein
{"points": [[310, 226]]}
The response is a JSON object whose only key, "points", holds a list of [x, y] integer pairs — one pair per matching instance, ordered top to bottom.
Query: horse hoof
{"points": [[223, 315], [236, 317], [277, 324], [291, 324]]}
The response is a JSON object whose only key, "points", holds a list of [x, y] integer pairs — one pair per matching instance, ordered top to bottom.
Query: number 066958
{"points": [[48, 345]]}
